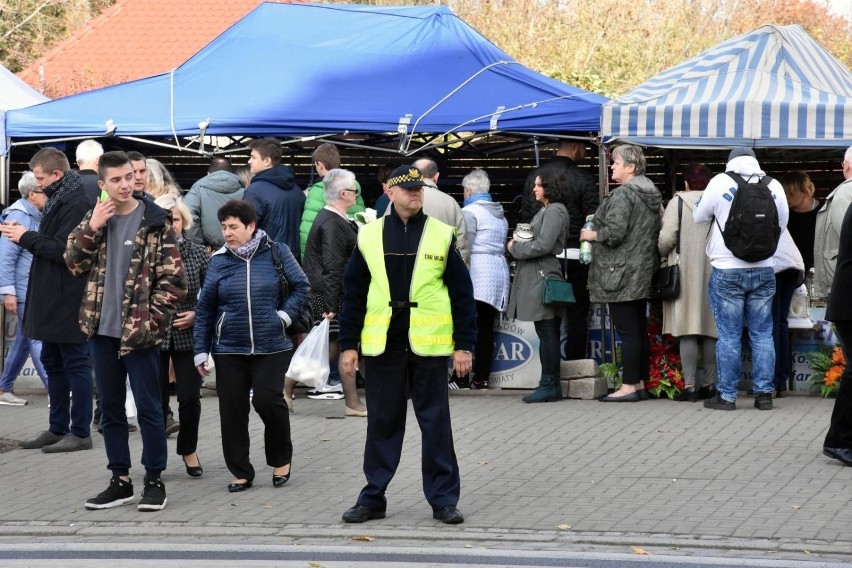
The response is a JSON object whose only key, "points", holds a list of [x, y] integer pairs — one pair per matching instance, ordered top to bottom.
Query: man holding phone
{"points": [[53, 301]]}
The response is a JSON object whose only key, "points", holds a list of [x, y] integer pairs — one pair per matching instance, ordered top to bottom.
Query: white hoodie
{"points": [[716, 202]]}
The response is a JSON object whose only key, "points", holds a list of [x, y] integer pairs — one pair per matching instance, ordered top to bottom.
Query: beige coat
{"points": [[690, 313]]}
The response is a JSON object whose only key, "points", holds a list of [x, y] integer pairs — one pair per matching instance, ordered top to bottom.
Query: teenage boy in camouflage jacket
{"points": [[127, 248]]}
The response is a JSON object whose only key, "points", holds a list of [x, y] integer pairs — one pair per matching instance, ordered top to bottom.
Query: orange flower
{"points": [[837, 356], [833, 375]]}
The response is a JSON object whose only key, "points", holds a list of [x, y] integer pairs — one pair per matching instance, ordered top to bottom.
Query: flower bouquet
{"points": [[368, 215], [828, 364], [666, 376]]}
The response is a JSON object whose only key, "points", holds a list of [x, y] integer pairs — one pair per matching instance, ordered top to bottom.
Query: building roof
{"points": [[130, 40]]}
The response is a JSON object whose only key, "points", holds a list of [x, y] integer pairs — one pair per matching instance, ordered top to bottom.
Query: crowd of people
{"points": [[123, 282]]}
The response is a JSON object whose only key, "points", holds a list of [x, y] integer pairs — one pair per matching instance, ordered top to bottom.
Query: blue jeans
{"points": [[737, 296], [22, 349], [142, 367], [68, 371]]}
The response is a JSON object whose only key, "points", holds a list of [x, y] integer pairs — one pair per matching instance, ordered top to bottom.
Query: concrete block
{"points": [[579, 368], [587, 388]]}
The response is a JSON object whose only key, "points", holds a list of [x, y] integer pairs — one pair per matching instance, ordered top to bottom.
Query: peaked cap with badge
{"points": [[406, 177]]}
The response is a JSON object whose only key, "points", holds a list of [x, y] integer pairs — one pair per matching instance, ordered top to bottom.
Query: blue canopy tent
{"points": [[309, 69], [773, 87]]}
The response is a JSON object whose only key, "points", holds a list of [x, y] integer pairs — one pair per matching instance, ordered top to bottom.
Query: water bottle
{"points": [[586, 246]]}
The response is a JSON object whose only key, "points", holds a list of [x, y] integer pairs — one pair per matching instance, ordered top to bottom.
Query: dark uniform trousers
{"points": [[387, 378], [839, 433]]}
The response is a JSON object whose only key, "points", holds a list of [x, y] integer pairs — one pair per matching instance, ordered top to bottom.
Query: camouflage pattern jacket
{"points": [[155, 281]]}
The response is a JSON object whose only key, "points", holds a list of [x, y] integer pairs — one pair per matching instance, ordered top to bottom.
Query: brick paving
{"points": [[656, 469]]}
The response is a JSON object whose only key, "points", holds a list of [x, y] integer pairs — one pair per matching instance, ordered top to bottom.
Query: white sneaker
{"points": [[327, 392], [9, 399]]}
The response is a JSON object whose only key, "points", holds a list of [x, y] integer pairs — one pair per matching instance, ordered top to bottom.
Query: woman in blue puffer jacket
{"points": [[241, 319]]}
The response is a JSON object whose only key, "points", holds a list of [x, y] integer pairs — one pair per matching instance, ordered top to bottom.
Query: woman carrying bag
{"points": [[537, 261], [688, 316], [241, 318]]}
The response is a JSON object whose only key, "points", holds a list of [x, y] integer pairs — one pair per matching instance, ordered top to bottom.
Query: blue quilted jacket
{"points": [[237, 310]]}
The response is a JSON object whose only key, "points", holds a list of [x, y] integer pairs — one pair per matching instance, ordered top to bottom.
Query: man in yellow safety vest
{"points": [[408, 302]]}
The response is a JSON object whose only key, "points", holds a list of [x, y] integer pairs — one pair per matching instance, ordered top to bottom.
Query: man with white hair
{"points": [[87, 155], [441, 206], [828, 222], [740, 291]]}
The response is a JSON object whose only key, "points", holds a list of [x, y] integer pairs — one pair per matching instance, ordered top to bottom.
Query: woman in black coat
{"points": [[330, 243], [176, 347], [838, 440]]}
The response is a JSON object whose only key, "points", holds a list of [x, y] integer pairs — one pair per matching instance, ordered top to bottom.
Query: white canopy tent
{"points": [[773, 87]]}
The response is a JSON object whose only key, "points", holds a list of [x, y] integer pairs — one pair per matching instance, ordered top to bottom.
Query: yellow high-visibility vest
{"points": [[431, 325]]}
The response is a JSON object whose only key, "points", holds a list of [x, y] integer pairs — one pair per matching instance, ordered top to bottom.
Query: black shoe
{"points": [[478, 385], [707, 391], [643, 394], [688, 394], [632, 397], [763, 401], [719, 403], [843, 455], [193, 471], [279, 480], [237, 487], [118, 493], [153, 496], [360, 514], [449, 515]]}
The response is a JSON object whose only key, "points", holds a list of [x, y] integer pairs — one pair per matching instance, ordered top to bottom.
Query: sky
{"points": [[841, 7]]}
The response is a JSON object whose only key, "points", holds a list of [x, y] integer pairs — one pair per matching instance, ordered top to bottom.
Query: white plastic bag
{"points": [[309, 364]]}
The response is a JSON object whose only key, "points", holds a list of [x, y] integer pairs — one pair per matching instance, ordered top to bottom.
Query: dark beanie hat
{"points": [[741, 151]]}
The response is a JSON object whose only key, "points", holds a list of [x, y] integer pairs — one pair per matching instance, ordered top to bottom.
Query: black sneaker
{"points": [[763, 401], [719, 403], [118, 493], [153, 496]]}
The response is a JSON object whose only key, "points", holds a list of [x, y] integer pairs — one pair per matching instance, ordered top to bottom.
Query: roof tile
{"points": [[130, 40]]}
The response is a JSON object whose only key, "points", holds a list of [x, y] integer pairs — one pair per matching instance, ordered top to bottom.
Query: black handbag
{"points": [[665, 283], [304, 320]]}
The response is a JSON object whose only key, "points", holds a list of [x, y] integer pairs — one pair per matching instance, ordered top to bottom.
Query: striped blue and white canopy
{"points": [[773, 87]]}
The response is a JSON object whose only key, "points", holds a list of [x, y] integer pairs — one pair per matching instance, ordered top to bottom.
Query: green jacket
{"points": [[314, 204]]}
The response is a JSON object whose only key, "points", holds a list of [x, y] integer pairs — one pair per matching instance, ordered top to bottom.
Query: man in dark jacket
{"points": [[278, 201], [584, 201], [53, 300], [408, 301]]}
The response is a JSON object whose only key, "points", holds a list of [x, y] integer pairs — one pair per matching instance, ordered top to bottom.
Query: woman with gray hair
{"points": [[487, 229], [330, 243], [624, 257], [15, 264]]}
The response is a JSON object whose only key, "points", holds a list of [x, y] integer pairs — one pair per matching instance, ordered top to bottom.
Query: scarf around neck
{"points": [[71, 181], [474, 197], [246, 250]]}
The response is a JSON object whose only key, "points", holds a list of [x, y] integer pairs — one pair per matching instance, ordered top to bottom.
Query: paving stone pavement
{"points": [[574, 469]]}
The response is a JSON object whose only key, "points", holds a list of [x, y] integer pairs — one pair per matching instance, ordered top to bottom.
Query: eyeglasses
{"points": [[37, 192]]}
